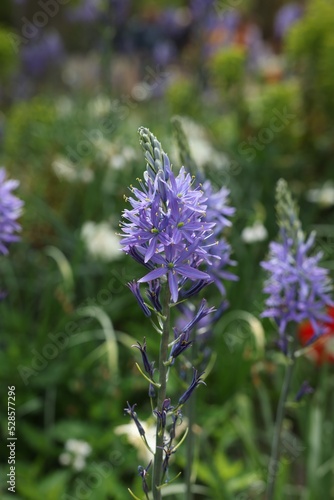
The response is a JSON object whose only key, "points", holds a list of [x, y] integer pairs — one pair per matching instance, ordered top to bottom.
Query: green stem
{"points": [[161, 396], [191, 437], [276, 444]]}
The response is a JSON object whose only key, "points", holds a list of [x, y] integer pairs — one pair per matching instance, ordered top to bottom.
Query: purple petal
{"points": [[151, 249], [156, 273], [192, 273], [173, 285]]}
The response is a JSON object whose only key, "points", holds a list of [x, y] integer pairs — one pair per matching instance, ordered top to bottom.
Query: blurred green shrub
{"points": [[309, 46], [8, 57], [227, 68], [183, 97], [277, 107], [28, 129]]}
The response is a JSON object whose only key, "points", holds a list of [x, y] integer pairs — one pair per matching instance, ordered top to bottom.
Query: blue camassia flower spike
{"points": [[10, 211], [166, 229], [298, 288]]}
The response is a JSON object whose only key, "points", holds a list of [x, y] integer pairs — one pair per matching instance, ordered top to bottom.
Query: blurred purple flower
{"points": [[200, 8], [120, 10], [86, 12], [286, 17], [228, 21], [173, 23], [220, 30], [257, 49], [164, 52], [38, 56], [10, 210], [218, 211], [222, 259], [297, 286], [303, 390]]}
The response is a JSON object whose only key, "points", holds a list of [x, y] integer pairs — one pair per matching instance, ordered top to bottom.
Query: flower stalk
{"points": [[168, 231], [161, 396], [191, 437], [276, 443]]}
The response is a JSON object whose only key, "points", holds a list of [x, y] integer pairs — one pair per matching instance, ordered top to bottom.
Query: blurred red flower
{"points": [[321, 351]]}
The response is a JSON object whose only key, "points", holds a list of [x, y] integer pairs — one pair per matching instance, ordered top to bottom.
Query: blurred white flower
{"points": [[270, 64], [82, 71], [141, 91], [64, 106], [99, 106], [105, 148], [201, 150], [129, 153], [116, 155], [117, 162], [67, 170], [324, 196], [254, 233], [101, 241], [135, 439], [78, 447], [75, 454], [65, 459], [78, 463]]}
